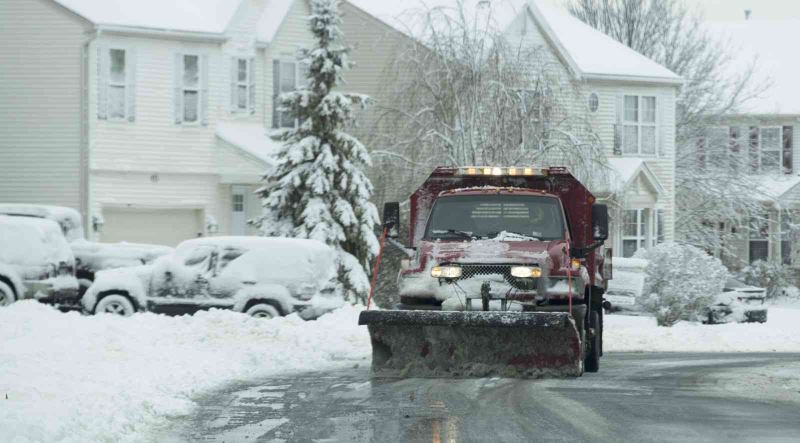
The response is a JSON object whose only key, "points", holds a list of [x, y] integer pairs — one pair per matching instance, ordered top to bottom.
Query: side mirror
{"points": [[391, 219], [600, 222]]}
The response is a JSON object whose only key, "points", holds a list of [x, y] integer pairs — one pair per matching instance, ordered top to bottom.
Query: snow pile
{"points": [[781, 333], [75, 378]]}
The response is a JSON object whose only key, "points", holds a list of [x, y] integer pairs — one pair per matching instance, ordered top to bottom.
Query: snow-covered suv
{"points": [[90, 256], [35, 262], [263, 277]]}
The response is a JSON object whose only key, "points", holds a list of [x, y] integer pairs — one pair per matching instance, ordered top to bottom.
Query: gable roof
{"points": [[273, 15], [203, 16], [772, 44], [588, 52], [251, 138], [622, 173], [772, 189]]}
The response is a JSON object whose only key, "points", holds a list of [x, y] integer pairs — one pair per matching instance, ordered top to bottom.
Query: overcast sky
{"points": [[715, 10]]}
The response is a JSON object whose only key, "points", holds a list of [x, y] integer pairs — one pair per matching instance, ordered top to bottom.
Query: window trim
{"points": [[639, 124], [779, 150], [642, 237]]}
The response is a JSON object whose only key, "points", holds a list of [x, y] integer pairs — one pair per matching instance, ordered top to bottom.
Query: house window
{"points": [[287, 76], [116, 84], [242, 84], [191, 88], [594, 102], [639, 125], [771, 144], [238, 202], [659, 228], [789, 229], [634, 231], [759, 238]]}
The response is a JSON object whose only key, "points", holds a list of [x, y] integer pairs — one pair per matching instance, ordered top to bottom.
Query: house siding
{"points": [[40, 103]]}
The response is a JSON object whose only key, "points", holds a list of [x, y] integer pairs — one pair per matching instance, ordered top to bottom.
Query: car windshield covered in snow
{"points": [[507, 217]]}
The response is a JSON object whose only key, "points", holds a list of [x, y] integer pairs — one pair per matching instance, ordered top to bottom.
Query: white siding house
{"points": [[764, 133]]}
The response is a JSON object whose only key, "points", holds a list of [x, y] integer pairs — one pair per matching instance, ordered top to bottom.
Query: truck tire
{"points": [[6, 294], [115, 304], [263, 310], [592, 361]]}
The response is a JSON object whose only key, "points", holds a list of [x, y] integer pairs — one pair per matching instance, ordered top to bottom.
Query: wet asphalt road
{"points": [[635, 397]]}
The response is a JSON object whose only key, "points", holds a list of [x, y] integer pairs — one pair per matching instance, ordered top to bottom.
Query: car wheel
{"points": [[6, 294], [115, 304], [263, 310]]}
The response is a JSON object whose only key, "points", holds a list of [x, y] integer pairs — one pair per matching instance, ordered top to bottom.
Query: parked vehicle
{"points": [[523, 243], [90, 257], [35, 262], [262, 277], [625, 289], [739, 302]]}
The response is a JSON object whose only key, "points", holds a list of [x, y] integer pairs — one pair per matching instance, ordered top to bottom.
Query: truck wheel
{"points": [[6, 294], [115, 304], [263, 310], [592, 360]]}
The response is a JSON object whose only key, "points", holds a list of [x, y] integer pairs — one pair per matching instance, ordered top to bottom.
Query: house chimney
{"points": [[747, 13]]}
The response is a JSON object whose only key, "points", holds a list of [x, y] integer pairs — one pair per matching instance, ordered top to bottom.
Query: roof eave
{"points": [[213, 37], [553, 39], [635, 79]]}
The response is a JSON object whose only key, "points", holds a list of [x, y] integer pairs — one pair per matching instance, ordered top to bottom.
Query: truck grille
{"points": [[502, 271]]}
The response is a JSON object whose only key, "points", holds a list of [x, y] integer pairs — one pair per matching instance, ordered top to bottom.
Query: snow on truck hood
{"points": [[488, 251]]}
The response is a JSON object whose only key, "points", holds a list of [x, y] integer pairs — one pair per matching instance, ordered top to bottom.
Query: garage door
{"points": [[159, 226]]}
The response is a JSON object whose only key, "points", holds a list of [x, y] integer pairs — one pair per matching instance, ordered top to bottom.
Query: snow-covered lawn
{"points": [[781, 333], [79, 378]]}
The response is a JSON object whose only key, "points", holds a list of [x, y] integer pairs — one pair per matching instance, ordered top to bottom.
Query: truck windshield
{"points": [[510, 217]]}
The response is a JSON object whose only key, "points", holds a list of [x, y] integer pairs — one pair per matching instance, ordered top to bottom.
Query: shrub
{"points": [[773, 277], [681, 282]]}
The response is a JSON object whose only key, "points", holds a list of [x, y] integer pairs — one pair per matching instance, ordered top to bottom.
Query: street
{"points": [[634, 397]]}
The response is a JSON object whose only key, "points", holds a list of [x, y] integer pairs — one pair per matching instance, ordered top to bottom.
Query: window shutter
{"points": [[251, 77], [234, 79], [102, 82], [177, 85], [130, 86], [204, 90], [276, 91], [618, 125], [661, 133], [788, 144], [753, 149]]}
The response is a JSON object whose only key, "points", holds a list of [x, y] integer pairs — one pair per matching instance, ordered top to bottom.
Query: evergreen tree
{"points": [[316, 188]]}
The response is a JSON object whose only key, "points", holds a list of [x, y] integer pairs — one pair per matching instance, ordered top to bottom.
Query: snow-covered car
{"points": [[90, 257], [35, 262], [262, 277], [627, 285], [739, 303]]}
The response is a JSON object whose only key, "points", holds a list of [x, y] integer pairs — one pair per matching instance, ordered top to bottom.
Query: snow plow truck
{"points": [[505, 277]]}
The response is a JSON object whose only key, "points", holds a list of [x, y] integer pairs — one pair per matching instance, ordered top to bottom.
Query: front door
{"points": [[239, 210]]}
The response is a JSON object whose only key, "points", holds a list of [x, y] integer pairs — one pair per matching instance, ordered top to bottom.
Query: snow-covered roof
{"points": [[204, 16], [271, 18], [771, 43], [588, 51], [251, 138], [623, 171], [771, 188]]}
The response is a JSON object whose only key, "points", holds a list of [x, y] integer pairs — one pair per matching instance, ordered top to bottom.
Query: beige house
{"points": [[153, 125], [763, 136]]}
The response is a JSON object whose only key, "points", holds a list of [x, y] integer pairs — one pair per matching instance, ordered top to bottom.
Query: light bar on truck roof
{"points": [[500, 171]]}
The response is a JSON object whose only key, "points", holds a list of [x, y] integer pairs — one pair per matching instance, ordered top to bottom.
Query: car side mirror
{"points": [[391, 219], [600, 222]]}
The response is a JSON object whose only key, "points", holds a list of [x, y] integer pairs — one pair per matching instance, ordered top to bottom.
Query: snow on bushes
{"points": [[773, 277], [681, 282]]}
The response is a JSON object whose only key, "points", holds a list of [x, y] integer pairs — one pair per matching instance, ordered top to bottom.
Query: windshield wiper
{"points": [[496, 233], [462, 234]]}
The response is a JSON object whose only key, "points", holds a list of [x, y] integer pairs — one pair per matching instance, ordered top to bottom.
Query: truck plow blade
{"points": [[473, 343]]}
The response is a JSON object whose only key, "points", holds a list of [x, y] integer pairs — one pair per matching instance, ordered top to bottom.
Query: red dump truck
{"points": [[506, 277]]}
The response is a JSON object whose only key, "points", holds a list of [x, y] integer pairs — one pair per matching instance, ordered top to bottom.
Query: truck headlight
{"points": [[526, 271], [446, 272]]}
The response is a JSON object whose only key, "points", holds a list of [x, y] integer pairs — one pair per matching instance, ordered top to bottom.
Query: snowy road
{"points": [[636, 397]]}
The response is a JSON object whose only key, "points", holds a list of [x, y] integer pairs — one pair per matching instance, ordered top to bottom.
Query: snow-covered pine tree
{"points": [[316, 187]]}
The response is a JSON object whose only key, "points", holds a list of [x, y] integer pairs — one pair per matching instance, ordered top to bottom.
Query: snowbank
{"points": [[781, 333], [80, 379]]}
